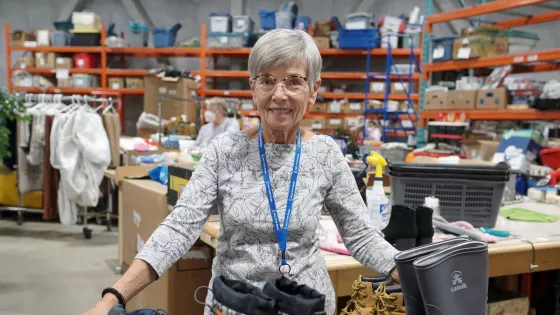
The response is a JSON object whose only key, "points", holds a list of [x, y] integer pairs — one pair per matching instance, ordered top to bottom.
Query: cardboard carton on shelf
{"points": [[322, 28], [43, 37], [19, 38], [322, 42], [479, 46], [45, 60], [25, 62], [64, 63], [64, 83], [116, 83], [134, 83], [377, 87], [183, 88], [339, 88], [401, 88], [493, 98], [461, 99], [435, 100], [374, 104], [334, 107], [318, 108], [353, 108], [351, 122], [334, 123], [314, 124], [144, 208]]}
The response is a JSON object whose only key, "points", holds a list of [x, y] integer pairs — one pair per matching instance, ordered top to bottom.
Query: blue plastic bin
{"points": [[268, 19], [302, 22], [164, 37], [357, 38], [442, 48]]}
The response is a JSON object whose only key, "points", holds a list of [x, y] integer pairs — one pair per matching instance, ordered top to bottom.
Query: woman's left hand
{"points": [[395, 276]]}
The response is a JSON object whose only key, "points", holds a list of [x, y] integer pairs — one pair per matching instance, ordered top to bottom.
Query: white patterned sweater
{"points": [[229, 177]]}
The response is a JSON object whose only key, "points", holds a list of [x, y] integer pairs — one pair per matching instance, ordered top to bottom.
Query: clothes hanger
{"points": [[109, 106]]}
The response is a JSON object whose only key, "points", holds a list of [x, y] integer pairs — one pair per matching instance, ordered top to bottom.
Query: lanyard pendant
{"points": [[284, 268]]}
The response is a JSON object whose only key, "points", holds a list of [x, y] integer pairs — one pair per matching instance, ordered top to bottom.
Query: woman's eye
{"points": [[294, 81], [267, 82]]}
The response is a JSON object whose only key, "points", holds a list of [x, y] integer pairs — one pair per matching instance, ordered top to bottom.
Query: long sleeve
{"points": [[348, 211], [178, 232]]}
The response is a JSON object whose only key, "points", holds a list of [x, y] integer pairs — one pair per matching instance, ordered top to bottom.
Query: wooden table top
{"points": [[507, 257]]}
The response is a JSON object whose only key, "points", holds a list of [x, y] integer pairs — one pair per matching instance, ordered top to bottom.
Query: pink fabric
{"points": [[485, 237], [331, 241]]}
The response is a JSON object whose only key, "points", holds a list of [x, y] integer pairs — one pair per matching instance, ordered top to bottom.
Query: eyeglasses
{"points": [[293, 83]]}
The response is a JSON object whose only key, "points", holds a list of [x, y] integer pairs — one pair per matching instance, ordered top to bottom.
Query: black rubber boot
{"points": [[424, 225], [401, 230], [407, 275], [454, 281], [240, 297], [295, 299]]}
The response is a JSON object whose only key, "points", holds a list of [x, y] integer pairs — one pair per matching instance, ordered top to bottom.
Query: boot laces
{"points": [[358, 293], [384, 303]]}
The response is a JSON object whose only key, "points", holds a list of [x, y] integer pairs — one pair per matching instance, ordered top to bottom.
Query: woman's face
{"points": [[282, 106]]}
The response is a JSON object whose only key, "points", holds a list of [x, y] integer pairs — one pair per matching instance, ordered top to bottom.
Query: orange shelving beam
{"points": [[481, 9], [533, 19], [7, 39], [59, 49], [52, 71], [58, 90], [499, 114]]}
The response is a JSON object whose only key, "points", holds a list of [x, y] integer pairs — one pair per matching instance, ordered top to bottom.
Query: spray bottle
{"points": [[377, 202]]}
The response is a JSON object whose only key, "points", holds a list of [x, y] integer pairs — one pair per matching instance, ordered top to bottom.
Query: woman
{"points": [[284, 68], [217, 121]]}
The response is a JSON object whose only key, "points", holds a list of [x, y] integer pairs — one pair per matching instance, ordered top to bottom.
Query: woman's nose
{"points": [[279, 93]]}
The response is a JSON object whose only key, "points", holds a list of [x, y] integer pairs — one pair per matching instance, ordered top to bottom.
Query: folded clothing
{"points": [[520, 214]]}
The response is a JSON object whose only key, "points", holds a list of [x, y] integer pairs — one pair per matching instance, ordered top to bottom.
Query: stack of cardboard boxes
{"points": [[483, 41], [467, 99], [334, 107]]}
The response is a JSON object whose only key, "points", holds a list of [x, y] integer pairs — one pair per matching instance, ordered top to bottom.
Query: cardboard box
{"points": [[323, 28], [19, 37], [43, 37], [322, 42], [479, 46], [45, 60], [25, 62], [64, 63], [64, 83], [116, 83], [134, 83], [377, 87], [182, 88], [399, 88], [461, 99], [492, 99], [435, 100], [374, 104], [248, 105], [334, 107], [318, 108], [353, 108], [350, 122], [315, 123], [334, 123], [520, 148], [144, 208], [501, 302]]}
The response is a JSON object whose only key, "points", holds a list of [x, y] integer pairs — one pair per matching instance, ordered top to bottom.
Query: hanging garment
{"points": [[112, 125], [24, 134], [35, 156], [10, 160], [30, 177], [51, 177]]}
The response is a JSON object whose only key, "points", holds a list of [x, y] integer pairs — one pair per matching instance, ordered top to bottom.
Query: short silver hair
{"points": [[283, 47], [218, 103]]}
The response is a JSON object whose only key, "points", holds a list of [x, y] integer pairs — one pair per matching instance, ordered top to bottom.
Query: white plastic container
{"points": [[285, 20], [86, 21], [358, 21], [220, 23], [521, 44]]}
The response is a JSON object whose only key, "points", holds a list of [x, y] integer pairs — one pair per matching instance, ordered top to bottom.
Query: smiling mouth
{"points": [[280, 111]]}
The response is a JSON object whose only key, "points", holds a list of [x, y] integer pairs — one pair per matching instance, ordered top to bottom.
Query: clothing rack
{"points": [[74, 99]]}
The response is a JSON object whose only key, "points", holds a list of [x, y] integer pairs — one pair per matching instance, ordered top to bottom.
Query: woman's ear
{"points": [[252, 85], [313, 95]]}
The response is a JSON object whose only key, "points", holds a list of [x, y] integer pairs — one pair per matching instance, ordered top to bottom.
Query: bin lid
{"points": [[220, 14], [500, 169]]}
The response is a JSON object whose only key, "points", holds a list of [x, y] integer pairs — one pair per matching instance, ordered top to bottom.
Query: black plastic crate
{"points": [[86, 39]]}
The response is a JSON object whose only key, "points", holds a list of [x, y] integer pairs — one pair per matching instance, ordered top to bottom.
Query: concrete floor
{"points": [[50, 269]]}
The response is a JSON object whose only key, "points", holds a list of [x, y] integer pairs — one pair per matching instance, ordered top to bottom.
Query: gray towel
{"points": [[442, 224]]}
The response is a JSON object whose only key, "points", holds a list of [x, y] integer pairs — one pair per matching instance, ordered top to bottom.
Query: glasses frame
{"points": [[283, 80]]}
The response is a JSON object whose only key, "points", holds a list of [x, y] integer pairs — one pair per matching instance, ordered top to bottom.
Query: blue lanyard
{"points": [[281, 234]]}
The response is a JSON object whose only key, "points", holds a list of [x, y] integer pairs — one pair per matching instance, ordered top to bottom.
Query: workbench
{"points": [[511, 256]]}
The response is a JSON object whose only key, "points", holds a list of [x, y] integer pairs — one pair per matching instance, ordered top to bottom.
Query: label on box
{"points": [[240, 23], [223, 39], [30, 44], [438, 52], [464, 53], [531, 58], [518, 59], [59, 60], [42, 62], [80, 62], [23, 66], [62, 73], [79, 82], [115, 86], [400, 86], [377, 87], [322, 89], [162, 90], [338, 90], [172, 92], [245, 106], [355, 106], [335, 107], [335, 121], [316, 126], [136, 218], [139, 243]]}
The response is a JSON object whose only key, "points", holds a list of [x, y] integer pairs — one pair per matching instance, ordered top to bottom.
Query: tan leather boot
{"points": [[363, 297], [389, 301]]}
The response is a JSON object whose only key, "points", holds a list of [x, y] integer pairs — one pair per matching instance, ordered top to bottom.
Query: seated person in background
{"points": [[217, 121]]}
